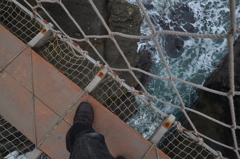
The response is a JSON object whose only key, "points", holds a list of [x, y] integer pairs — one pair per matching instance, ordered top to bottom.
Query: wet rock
{"points": [[148, 6], [120, 16], [85, 17], [125, 18], [181, 19], [174, 46], [145, 62], [218, 107]]}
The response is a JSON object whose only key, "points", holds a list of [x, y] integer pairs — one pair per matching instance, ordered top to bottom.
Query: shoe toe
{"points": [[84, 113]]}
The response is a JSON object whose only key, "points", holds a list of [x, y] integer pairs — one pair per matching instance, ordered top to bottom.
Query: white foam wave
{"points": [[200, 56]]}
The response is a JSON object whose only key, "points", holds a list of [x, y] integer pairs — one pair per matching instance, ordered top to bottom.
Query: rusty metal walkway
{"points": [[37, 99]]}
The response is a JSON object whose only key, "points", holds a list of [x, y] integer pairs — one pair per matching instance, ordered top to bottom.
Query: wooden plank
{"points": [[9, 46], [21, 69], [52, 87], [54, 94], [16, 105], [45, 119], [55, 145]]}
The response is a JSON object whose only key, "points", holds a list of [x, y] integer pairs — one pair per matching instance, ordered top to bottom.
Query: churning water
{"points": [[198, 57]]}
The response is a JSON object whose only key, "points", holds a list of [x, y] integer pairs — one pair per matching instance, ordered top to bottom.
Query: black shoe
{"points": [[84, 114], [120, 157]]}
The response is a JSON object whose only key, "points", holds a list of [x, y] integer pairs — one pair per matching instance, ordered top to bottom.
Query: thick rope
{"points": [[232, 33], [165, 63], [171, 78], [149, 150]]}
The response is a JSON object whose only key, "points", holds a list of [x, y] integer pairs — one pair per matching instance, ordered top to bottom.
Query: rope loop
{"points": [[39, 4], [34, 14], [56, 33], [154, 34], [111, 36], [62, 38], [87, 39], [85, 53], [97, 64], [108, 68], [121, 81], [133, 91], [231, 93], [178, 125], [200, 141], [219, 155]]}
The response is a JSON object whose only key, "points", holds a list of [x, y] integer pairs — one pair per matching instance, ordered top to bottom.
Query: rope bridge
{"points": [[136, 107]]}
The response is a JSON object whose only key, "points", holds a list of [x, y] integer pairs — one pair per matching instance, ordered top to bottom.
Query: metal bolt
{"points": [[43, 31], [100, 74], [59, 136]]}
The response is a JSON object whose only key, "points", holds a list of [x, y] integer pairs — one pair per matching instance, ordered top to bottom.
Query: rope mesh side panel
{"points": [[18, 21], [72, 64], [119, 100], [126, 106], [12, 142], [178, 145]]}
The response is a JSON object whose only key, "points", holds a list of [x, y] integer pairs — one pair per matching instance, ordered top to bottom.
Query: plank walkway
{"points": [[34, 97]]}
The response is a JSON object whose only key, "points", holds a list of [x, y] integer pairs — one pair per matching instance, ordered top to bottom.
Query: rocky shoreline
{"points": [[120, 16], [217, 106]]}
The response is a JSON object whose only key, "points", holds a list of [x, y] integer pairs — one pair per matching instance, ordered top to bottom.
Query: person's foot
{"points": [[84, 114]]}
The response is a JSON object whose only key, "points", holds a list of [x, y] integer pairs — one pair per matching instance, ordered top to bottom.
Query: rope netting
{"points": [[69, 62], [137, 107], [13, 144], [178, 144]]}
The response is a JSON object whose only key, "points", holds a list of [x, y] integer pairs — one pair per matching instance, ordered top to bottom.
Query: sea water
{"points": [[199, 56]]}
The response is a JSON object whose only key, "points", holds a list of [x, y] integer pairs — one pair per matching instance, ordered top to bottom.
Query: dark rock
{"points": [[148, 6], [81, 11], [180, 14], [120, 16], [85, 17], [125, 18], [178, 43], [174, 46], [145, 62], [217, 106]]}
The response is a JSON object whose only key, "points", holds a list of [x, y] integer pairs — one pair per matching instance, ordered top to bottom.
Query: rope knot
{"points": [[111, 36], [87, 40], [85, 53], [97, 64], [121, 81], [133, 91], [178, 125], [219, 155]]}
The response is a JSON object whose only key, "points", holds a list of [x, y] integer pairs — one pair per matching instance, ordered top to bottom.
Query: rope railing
{"points": [[112, 91]]}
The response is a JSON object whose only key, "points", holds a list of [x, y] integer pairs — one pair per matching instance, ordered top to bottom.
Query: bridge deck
{"points": [[34, 96]]}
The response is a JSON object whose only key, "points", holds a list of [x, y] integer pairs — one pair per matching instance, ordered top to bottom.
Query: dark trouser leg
{"points": [[74, 132], [84, 143]]}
